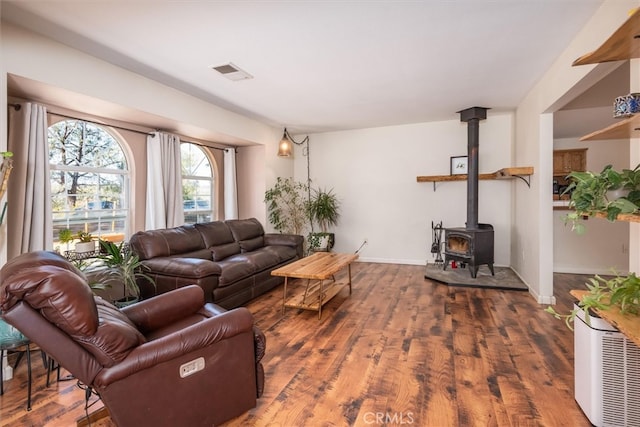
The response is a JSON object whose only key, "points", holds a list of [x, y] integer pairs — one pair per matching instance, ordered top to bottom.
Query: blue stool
{"points": [[12, 339]]}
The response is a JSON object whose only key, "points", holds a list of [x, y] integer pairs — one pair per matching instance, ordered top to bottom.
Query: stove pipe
{"points": [[472, 116]]}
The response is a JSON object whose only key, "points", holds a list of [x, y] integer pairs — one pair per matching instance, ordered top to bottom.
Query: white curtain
{"points": [[164, 182], [230, 185], [29, 220]]}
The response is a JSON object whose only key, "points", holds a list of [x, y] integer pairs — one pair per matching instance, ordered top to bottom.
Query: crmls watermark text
{"points": [[389, 418]]}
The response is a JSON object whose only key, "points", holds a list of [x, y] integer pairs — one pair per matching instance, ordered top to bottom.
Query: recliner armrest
{"points": [[292, 240], [165, 309], [179, 343]]}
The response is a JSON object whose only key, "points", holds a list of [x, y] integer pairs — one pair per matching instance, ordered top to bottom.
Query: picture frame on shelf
{"points": [[459, 165]]}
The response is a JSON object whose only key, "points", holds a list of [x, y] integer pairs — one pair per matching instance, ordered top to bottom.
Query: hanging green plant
{"points": [[609, 192]]}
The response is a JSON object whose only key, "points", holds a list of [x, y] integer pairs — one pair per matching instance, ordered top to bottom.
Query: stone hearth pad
{"points": [[504, 279]]}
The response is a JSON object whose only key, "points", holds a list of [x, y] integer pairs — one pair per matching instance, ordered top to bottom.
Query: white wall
{"points": [[373, 172], [605, 245], [532, 247]]}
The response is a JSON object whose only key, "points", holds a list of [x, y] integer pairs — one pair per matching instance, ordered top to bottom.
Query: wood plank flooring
{"points": [[401, 350]]}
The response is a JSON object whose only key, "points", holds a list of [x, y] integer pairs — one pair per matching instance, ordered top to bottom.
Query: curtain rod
{"points": [[18, 106], [101, 124]]}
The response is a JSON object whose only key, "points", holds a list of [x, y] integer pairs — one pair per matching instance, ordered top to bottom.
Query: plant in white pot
{"points": [[324, 209], [65, 236], [86, 243]]}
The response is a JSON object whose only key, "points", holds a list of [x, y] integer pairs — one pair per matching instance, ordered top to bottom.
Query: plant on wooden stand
{"points": [[608, 192], [611, 193], [621, 291]]}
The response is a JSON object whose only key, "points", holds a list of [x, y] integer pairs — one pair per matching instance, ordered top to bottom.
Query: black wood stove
{"points": [[472, 244]]}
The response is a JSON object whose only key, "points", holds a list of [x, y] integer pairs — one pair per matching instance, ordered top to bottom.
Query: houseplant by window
{"points": [[287, 206], [324, 209], [65, 236], [86, 242], [124, 266]]}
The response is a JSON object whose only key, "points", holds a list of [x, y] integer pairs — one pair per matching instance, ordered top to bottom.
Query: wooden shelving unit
{"points": [[623, 44], [624, 129], [506, 173], [620, 217]]}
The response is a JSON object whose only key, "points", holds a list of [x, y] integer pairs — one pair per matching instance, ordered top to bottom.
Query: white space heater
{"points": [[607, 374]]}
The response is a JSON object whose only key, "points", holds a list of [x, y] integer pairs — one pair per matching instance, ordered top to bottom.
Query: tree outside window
{"points": [[89, 180], [197, 184]]}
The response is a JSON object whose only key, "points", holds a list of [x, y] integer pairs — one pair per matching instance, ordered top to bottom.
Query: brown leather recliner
{"points": [[171, 360]]}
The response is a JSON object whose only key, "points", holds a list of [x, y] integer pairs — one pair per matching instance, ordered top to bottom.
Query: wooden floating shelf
{"points": [[621, 45], [624, 129], [506, 173], [620, 217], [628, 324]]}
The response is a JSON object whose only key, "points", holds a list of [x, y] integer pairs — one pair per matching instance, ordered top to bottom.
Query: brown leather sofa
{"points": [[230, 260], [171, 360]]}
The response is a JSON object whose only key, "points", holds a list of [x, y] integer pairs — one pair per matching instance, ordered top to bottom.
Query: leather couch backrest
{"points": [[247, 232], [215, 233], [166, 242]]}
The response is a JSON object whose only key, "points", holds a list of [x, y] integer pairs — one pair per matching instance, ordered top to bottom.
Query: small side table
{"points": [[11, 339]]}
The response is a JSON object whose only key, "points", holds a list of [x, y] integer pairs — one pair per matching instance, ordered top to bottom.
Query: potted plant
{"points": [[609, 192], [287, 206], [324, 209], [65, 236], [86, 243], [125, 266], [620, 291]]}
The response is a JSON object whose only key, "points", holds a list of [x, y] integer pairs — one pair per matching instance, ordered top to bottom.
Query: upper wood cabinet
{"points": [[566, 161]]}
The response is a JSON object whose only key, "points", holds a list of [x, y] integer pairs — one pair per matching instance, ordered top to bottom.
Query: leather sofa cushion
{"points": [[245, 229], [215, 233], [166, 242], [250, 245], [221, 252], [282, 253], [262, 259], [183, 267], [233, 269], [115, 337]]}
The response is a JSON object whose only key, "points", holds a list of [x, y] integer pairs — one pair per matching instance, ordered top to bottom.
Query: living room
{"points": [[356, 155], [373, 169]]}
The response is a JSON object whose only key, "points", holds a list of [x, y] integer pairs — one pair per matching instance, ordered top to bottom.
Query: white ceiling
{"points": [[325, 65]]}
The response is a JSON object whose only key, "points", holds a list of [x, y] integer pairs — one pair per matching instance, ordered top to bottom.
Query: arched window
{"points": [[89, 181], [197, 184]]}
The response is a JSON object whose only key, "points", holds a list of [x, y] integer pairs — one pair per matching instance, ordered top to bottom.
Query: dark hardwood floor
{"points": [[401, 350]]}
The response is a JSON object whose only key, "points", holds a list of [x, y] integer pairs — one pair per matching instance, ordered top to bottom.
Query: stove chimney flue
{"points": [[472, 116]]}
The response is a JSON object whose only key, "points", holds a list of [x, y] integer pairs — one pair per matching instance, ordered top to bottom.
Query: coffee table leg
{"points": [[284, 295], [320, 299]]}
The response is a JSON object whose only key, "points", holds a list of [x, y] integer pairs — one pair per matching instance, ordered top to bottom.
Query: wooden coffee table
{"points": [[317, 269]]}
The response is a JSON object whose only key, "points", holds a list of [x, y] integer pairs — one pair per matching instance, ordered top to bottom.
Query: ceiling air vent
{"points": [[232, 72]]}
